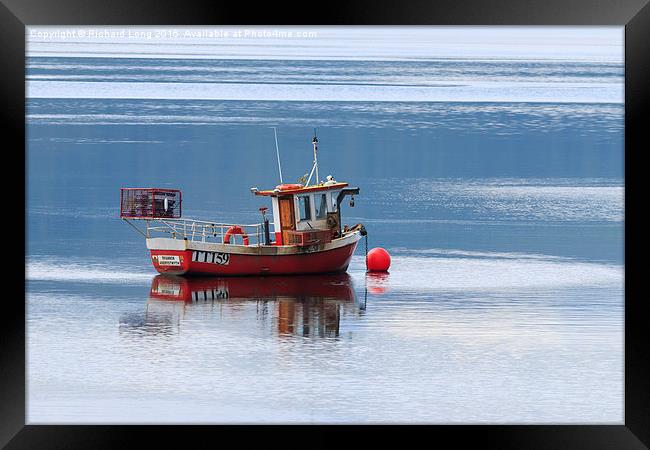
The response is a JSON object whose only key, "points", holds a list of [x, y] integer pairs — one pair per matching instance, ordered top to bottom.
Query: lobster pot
{"points": [[150, 203], [309, 237]]}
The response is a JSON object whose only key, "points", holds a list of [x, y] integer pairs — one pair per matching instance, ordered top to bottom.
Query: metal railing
{"points": [[204, 231]]}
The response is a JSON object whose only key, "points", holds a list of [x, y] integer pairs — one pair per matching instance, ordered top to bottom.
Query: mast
{"points": [[315, 144], [315, 166]]}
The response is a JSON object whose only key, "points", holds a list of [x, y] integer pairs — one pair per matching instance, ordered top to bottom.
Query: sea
{"points": [[495, 183]]}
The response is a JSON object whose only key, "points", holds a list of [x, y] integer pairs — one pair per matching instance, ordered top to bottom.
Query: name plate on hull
{"points": [[169, 260]]}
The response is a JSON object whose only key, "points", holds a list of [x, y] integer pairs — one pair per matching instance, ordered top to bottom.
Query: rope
{"points": [[366, 252], [365, 284], [365, 293]]}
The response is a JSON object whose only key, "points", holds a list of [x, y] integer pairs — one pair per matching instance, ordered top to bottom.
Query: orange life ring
{"points": [[287, 187], [235, 229]]}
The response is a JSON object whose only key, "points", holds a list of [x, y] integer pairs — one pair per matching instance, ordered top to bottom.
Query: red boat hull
{"points": [[193, 262]]}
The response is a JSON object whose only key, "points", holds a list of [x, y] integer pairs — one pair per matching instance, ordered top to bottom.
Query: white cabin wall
{"points": [[275, 205]]}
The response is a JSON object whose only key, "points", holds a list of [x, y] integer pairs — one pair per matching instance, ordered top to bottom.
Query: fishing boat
{"points": [[304, 235]]}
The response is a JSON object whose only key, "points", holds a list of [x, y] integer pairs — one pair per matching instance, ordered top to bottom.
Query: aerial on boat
{"points": [[305, 234]]}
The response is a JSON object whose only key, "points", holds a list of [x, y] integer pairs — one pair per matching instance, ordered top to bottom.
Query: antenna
{"points": [[277, 152]]}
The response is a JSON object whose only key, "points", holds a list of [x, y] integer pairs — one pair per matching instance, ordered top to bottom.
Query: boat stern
{"points": [[170, 256], [172, 262]]}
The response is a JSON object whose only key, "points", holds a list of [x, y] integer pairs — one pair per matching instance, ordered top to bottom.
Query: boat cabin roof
{"points": [[290, 189]]}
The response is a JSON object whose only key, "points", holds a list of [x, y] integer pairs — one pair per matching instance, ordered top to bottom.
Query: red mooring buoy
{"points": [[378, 260]]}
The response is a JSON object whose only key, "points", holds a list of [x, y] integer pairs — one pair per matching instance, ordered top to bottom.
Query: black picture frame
{"points": [[633, 14]]}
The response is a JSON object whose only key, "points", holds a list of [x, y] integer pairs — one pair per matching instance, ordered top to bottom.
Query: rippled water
{"points": [[496, 185], [443, 338]]}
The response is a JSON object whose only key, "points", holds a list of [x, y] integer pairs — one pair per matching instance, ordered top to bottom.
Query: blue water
{"points": [[497, 186]]}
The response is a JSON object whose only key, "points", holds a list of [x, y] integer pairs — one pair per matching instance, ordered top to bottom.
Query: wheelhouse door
{"points": [[287, 216]]}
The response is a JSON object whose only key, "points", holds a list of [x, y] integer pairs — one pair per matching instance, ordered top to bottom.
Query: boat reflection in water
{"points": [[297, 305]]}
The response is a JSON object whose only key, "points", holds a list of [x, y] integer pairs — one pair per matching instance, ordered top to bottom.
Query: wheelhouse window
{"points": [[321, 206], [304, 207]]}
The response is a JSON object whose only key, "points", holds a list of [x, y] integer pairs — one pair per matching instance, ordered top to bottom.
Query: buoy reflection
{"points": [[377, 282], [307, 305]]}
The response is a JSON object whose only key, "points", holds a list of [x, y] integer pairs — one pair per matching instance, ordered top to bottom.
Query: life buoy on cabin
{"points": [[287, 187], [235, 229]]}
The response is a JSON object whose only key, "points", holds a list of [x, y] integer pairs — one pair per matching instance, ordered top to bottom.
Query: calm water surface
{"points": [[497, 186]]}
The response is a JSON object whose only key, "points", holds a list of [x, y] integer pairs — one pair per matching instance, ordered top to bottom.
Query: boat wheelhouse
{"points": [[305, 235]]}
